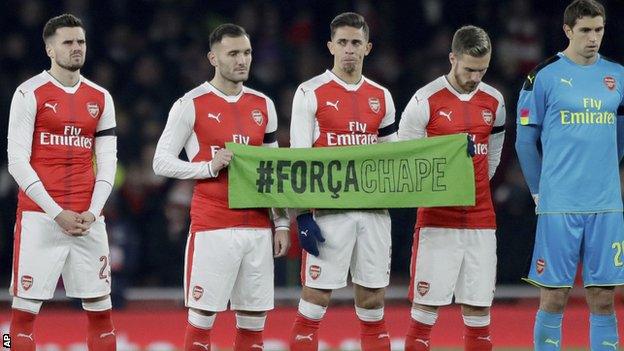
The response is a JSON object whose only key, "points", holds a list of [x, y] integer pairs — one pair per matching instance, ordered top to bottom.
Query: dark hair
{"points": [[581, 8], [349, 19], [64, 20], [226, 30], [471, 40]]}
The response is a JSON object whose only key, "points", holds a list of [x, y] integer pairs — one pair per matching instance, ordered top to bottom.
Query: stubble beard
{"points": [[71, 67]]}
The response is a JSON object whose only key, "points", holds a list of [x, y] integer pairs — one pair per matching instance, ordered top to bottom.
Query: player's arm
{"points": [[530, 112], [414, 120], [387, 128], [620, 131], [175, 136], [496, 139], [19, 148], [105, 158]]}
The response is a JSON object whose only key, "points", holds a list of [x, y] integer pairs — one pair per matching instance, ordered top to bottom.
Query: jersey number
{"points": [[617, 259], [103, 274]]}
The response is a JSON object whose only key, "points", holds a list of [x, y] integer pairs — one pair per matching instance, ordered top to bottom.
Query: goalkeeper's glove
{"points": [[309, 233]]}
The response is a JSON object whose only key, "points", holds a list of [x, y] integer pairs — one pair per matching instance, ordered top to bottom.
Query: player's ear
{"points": [[568, 31], [330, 46], [369, 47], [48, 49], [212, 58], [452, 58]]}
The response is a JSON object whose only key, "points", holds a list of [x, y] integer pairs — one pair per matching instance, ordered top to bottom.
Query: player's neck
{"points": [[578, 59], [66, 77], [349, 78], [453, 82], [227, 87]]}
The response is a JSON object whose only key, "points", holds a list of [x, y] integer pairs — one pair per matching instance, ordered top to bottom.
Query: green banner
{"points": [[428, 172]]}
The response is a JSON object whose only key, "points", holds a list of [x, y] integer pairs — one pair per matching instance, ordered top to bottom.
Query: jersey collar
{"points": [[347, 86], [69, 90], [219, 93], [460, 96]]}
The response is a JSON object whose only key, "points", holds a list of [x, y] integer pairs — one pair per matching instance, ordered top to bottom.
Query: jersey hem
{"points": [[580, 212], [540, 285]]}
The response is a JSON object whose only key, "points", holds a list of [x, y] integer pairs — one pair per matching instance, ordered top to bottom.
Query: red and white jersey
{"points": [[438, 109], [329, 112], [201, 122], [55, 127]]}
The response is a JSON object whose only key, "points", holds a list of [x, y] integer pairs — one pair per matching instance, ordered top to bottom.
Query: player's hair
{"points": [[581, 8], [349, 19], [64, 20], [226, 30], [471, 40]]}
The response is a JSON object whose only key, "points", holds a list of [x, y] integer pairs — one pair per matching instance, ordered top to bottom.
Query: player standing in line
{"points": [[569, 105], [338, 108], [58, 121], [454, 249], [229, 254]]}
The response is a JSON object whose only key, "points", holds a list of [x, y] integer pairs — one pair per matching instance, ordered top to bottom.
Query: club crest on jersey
{"points": [[609, 82], [374, 104], [93, 108], [256, 115], [487, 117], [540, 265], [315, 271], [27, 282], [422, 288], [198, 292]]}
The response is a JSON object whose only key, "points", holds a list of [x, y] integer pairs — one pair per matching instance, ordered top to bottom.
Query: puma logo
{"points": [[531, 78], [568, 82], [333, 104], [49, 105], [447, 115], [217, 116], [304, 232], [111, 333], [383, 335], [29, 336], [300, 337], [424, 342], [552, 342], [606, 343], [203, 346], [256, 346]]}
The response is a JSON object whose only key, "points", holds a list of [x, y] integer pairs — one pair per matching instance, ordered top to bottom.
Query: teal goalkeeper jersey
{"points": [[576, 108]]}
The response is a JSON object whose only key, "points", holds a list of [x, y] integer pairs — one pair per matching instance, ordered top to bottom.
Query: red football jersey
{"points": [[438, 109], [329, 112], [202, 122], [62, 123]]}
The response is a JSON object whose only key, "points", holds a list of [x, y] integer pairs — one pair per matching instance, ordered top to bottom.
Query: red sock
{"points": [[21, 330], [100, 331], [304, 334], [374, 336], [418, 336], [477, 338], [196, 339], [248, 340]]}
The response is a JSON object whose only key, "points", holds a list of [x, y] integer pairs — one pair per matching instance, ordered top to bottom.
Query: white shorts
{"points": [[355, 241], [42, 253], [448, 261], [233, 265]]}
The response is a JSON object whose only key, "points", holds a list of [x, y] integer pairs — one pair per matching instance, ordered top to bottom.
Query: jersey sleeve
{"points": [[532, 101], [303, 118], [414, 120], [620, 120], [107, 121], [387, 128], [177, 132], [270, 134], [496, 139], [19, 148], [105, 157]]}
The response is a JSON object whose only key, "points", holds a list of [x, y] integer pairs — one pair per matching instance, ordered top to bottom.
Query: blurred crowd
{"points": [[148, 53]]}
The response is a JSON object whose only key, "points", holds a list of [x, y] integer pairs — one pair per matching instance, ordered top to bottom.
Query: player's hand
{"points": [[471, 147], [220, 160], [87, 218], [71, 223], [309, 233], [281, 242]]}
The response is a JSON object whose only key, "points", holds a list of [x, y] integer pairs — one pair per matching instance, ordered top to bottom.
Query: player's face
{"points": [[586, 35], [349, 46], [68, 48], [232, 58], [468, 70]]}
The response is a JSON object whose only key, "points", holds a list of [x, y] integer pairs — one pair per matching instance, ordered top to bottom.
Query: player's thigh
{"points": [[40, 249], [557, 250], [603, 251], [437, 255], [370, 263], [210, 269], [329, 270], [87, 272], [477, 276], [253, 289]]}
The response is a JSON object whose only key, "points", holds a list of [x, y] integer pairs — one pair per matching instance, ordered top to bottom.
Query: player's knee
{"points": [[319, 297], [368, 298], [553, 300], [600, 300], [97, 304], [26, 305], [468, 310]]}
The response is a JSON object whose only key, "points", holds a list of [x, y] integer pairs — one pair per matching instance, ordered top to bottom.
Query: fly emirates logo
{"points": [[591, 114], [357, 136], [70, 137], [237, 138], [479, 148]]}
